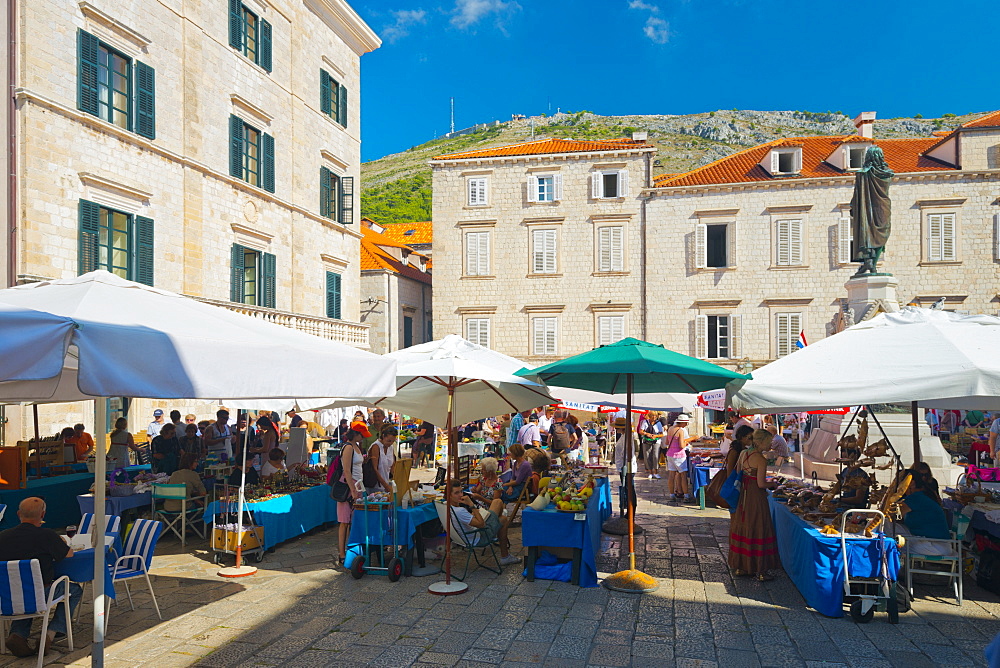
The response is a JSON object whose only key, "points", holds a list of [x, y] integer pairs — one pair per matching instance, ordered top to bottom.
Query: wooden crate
{"points": [[53, 452], [13, 467], [221, 540]]}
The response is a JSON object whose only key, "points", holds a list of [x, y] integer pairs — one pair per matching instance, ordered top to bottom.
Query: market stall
{"points": [[60, 494], [580, 532], [815, 562]]}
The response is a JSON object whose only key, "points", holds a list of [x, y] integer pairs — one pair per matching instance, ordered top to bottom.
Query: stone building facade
{"points": [[205, 147], [539, 246], [732, 262], [396, 299]]}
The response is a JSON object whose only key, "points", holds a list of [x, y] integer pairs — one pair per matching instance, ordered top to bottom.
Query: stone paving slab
{"points": [[298, 610]]}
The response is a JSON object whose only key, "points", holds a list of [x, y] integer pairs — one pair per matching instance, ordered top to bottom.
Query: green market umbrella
{"points": [[633, 366]]}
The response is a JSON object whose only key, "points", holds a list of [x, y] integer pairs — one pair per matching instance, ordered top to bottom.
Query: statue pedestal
{"points": [[868, 289]]}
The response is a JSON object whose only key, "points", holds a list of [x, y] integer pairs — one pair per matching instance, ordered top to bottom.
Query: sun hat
{"points": [[683, 417], [620, 422], [361, 428]]}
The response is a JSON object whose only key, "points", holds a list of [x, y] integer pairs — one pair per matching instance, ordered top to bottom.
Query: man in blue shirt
{"points": [[516, 422]]}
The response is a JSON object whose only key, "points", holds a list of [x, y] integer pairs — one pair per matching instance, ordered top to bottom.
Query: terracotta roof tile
{"points": [[987, 121], [546, 146], [903, 155], [410, 233], [375, 258]]}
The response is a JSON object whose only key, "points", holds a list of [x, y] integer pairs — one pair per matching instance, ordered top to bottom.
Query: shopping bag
{"points": [[730, 491]]}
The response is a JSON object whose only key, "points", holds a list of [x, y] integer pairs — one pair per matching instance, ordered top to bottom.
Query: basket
{"points": [[122, 488]]}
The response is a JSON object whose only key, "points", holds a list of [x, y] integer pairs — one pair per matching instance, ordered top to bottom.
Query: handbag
{"points": [[368, 477], [731, 489], [340, 491]]}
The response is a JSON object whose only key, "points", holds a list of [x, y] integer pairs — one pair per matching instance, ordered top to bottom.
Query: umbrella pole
{"points": [[916, 432], [38, 443], [100, 513], [239, 570], [631, 580], [448, 588]]}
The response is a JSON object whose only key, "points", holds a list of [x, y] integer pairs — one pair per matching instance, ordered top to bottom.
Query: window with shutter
{"points": [[235, 24], [250, 45], [87, 56], [264, 57], [105, 86], [327, 93], [342, 105], [236, 146], [267, 162], [623, 183], [329, 185], [610, 185], [346, 186], [596, 186], [532, 188], [543, 188], [557, 190], [477, 191], [90, 223], [996, 236], [789, 238], [845, 238], [108, 240], [941, 241], [701, 246], [716, 246], [543, 251], [477, 253], [611, 255], [236, 275], [268, 280], [333, 295], [788, 326], [610, 329], [477, 330], [407, 331], [545, 335], [701, 336], [718, 336], [735, 336]]}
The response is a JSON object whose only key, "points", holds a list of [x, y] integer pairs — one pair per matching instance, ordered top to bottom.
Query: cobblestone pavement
{"points": [[299, 611]]}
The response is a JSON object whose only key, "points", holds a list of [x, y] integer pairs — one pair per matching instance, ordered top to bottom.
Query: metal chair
{"points": [[185, 517], [112, 525], [469, 541], [921, 552], [138, 557], [23, 597]]}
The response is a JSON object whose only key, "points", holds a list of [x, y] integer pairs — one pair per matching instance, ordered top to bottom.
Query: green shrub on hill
{"points": [[404, 200]]}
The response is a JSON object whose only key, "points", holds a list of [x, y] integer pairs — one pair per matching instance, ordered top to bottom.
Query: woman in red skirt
{"points": [[753, 549]]}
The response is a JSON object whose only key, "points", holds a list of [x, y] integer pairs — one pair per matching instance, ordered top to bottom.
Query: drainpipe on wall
{"points": [[9, 84], [645, 239], [388, 316]]}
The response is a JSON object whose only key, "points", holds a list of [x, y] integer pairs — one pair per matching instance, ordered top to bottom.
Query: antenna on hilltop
{"points": [[452, 115]]}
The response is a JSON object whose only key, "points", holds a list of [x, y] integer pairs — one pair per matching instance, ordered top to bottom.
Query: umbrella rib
{"points": [[684, 380], [505, 400]]}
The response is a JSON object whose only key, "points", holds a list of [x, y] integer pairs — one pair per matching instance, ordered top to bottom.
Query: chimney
{"points": [[865, 123], [639, 136]]}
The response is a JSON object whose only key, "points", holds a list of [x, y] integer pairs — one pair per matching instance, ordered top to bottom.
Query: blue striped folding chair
{"points": [[3, 510], [112, 525], [138, 557], [22, 596]]}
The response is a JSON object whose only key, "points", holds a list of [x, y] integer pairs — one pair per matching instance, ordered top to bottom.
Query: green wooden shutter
{"points": [[236, 24], [88, 48], [264, 54], [325, 93], [145, 100], [342, 105], [236, 146], [267, 162], [325, 195], [346, 200], [90, 228], [143, 268], [267, 276], [236, 284], [333, 295]]}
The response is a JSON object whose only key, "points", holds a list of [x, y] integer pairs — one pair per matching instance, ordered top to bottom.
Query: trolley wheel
{"points": [[260, 555], [217, 558], [358, 568], [395, 569], [892, 609], [858, 616]]}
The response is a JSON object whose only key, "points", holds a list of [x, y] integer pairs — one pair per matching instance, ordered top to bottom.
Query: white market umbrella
{"points": [[133, 340], [923, 357], [450, 382], [652, 401]]}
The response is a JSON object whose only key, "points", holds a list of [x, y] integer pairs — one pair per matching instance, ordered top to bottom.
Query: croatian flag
{"points": [[801, 343]]}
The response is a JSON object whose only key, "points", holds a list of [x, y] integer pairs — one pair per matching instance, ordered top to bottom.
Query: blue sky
{"points": [[498, 57]]}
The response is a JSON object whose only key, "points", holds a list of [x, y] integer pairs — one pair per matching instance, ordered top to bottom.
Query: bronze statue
{"points": [[871, 210]]}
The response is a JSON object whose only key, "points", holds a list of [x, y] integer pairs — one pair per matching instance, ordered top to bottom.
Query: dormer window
{"points": [[855, 156], [848, 157], [783, 161]]}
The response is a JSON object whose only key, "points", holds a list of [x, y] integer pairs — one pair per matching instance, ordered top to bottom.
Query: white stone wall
{"points": [[815, 289], [513, 295], [405, 297]]}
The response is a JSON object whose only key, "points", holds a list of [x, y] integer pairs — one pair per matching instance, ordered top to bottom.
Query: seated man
{"points": [[186, 475], [236, 477], [921, 514], [472, 518], [29, 540]]}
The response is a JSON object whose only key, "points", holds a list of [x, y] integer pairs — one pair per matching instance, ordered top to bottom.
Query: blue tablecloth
{"points": [[77, 468], [700, 477], [59, 493], [114, 505], [287, 516], [549, 528], [378, 529], [815, 562], [80, 568]]}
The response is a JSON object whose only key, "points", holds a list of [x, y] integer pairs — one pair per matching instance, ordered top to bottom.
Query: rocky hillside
{"points": [[397, 188]]}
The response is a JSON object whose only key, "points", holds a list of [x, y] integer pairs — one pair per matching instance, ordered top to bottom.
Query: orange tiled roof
{"points": [[987, 121], [546, 146], [903, 155], [409, 233], [375, 258]]}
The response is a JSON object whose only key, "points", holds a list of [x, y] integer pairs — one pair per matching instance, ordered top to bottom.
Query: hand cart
{"points": [[380, 516], [228, 531], [870, 593]]}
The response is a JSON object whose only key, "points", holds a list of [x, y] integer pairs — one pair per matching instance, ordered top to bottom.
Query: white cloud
{"points": [[639, 4], [469, 12], [404, 19], [657, 30]]}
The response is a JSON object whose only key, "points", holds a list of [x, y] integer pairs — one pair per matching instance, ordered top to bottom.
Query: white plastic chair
{"points": [[26, 600]]}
